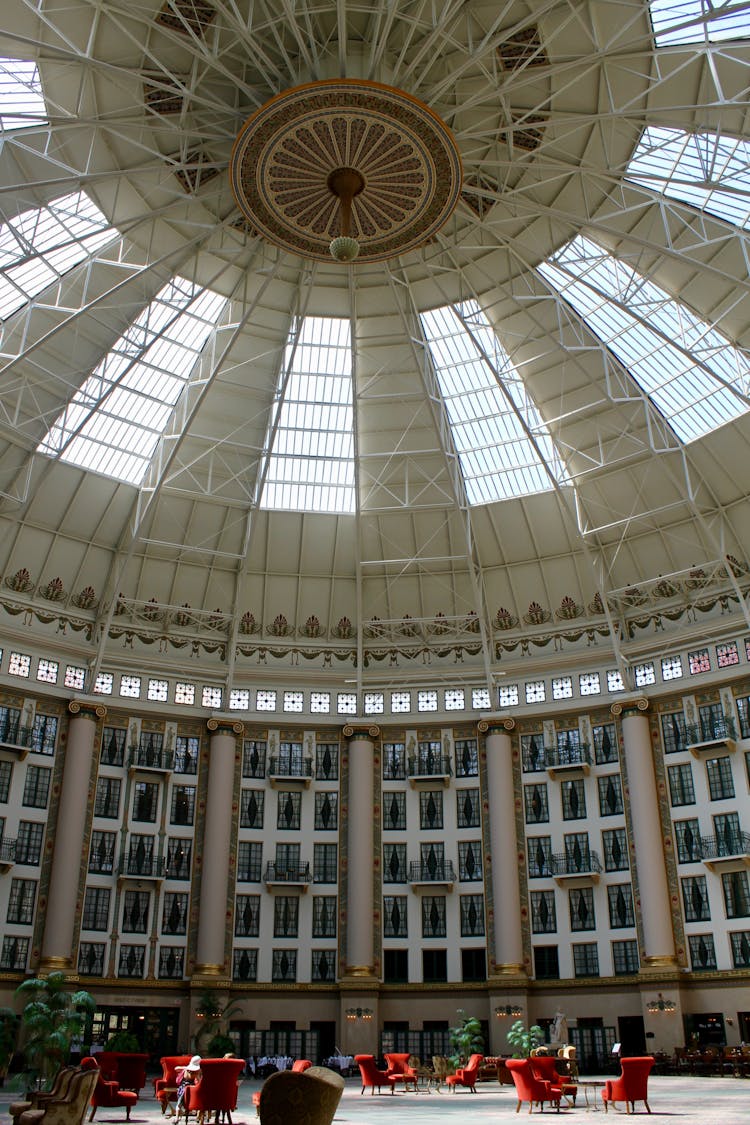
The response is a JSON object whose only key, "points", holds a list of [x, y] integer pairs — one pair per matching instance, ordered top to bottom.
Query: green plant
{"points": [[213, 1016], [51, 1018], [466, 1038], [524, 1039], [124, 1042], [219, 1046]]}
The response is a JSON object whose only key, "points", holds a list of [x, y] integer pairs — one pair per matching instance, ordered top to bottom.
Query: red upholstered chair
{"points": [[297, 1067], [545, 1067], [398, 1068], [466, 1075], [371, 1076], [632, 1084], [165, 1088], [529, 1088], [216, 1092], [108, 1094]]}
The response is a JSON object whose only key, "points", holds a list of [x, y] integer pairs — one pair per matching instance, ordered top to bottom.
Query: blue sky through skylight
{"points": [[698, 21], [21, 101], [707, 170], [695, 377], [489, 422], [311, 462]]}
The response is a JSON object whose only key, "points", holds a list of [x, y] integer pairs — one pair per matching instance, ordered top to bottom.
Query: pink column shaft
{"points": [[217, 841], [360, 874], [506, 887]]}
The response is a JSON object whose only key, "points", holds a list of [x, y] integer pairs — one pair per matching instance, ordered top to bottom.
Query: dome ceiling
{"points": [[547, 105]]}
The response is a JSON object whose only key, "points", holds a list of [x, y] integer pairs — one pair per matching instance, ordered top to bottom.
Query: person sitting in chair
{"points": [[188, 1075]]}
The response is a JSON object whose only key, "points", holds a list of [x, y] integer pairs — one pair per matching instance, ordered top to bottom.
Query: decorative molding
{"points": [[629, 706], [361, 730]]}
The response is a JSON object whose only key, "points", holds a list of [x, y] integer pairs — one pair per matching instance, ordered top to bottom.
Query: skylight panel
{"points": [[678, 22], [21, 101], [706, 170], [38, 246], [693, 375], [114, 421], [491, 422], [311, 463]]}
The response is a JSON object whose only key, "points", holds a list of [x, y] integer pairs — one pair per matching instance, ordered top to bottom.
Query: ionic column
{"points": [[73, 813], [217, 848], [360, 873], [506, 886], [653, 887]]}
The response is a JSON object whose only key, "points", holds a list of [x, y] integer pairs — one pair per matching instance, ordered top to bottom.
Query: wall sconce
{"points": [[660, 1005], [505, 1010], [353, 1014]]}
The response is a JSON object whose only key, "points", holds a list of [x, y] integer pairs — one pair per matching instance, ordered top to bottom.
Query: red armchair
{"points": [[299, 1066], [545, 1067], [398, 1068], [129, 1070], [466, 1075], [371, 1076], [632, 1085], [165, 1088], [529, 1088], [216, 1092], [108, 1093]]}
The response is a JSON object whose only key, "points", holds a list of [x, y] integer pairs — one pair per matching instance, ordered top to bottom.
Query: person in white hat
{"points": [[187, 1076]]}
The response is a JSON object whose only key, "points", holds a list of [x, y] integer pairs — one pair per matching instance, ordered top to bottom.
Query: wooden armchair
{"points": [[67, 1110]]}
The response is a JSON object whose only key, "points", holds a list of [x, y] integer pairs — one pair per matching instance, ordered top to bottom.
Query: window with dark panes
{"points": [[674, 732], [44, 734], [605, 744], [113, 746], [187, 751], [467, 757], [253, 758], [533, 758], [327, 761], [394, 761], [6, 773], [720, 781], [36, 787], [681, 791], [610, 795], [573, 797], [107, 800], [145, 800], [252, 804], [536, 807], [467, 808], [430, 809], [182, 810], [289, 810], [326, 811], [394, 811], [728, 835], [688, 840], [29, 842], [615, 848], [102, 852], [539, 856], [179, 858], [249, 861], [325, 863], [394, 863], [470, 867], [736, 894], [695, 899], [620, 901], [21, 902], [581, 907], [471, 908], [96, 909], [135, 912], [174, 913], [543, 913], [247, 916], [285, 916], [324, 916], [395, 916], [433, 916], [740, 943], [702, 952], [91, 958], [625, 959], [586, 960], [132, 961], [171, 962], [546, 963], [245, 964], [323, 964], [473, 964], [283, 965], [395, 966], [434, 966]]}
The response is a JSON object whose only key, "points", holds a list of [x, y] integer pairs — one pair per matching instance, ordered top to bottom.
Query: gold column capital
{"points": [[630, 706], [87, 710], [225, 726], [496, 726], [361, 730]]}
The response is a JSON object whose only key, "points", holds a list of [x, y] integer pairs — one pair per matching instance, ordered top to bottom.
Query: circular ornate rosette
{"points": [[287, 151]]}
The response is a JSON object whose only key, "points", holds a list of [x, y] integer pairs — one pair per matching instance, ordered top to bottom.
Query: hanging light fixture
{"points": [[345, 183], [660, 1005], [503, 1011], [353, 1014]]}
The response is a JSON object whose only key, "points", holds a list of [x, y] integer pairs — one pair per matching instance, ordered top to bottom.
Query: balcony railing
{"points": [[710, 731], [15, 737], [558, 758], [144, 759], [432, 765], [299, 769], [726, 845], [7, 852], [575, 863], [142, 867], [441, 871], [288, 873]]}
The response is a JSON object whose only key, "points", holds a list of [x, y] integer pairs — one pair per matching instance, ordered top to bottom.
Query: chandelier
{"points": [[660, 1005], [503, 1011], [353, 1014]]}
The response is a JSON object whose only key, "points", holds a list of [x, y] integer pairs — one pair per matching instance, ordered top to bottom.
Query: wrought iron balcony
{"points": [[710, 735], [17, 738], [141, 758], [567, 759], [429, 767], [281, 769], [730, 845], [7, 854], [577, 863], [134, 866], [434, 871], [289, 873]]}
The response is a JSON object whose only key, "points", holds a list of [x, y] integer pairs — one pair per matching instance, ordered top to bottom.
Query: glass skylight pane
{"points": [[698, 21], [21, 101], [706, 170], [38, 246], [689, 370], [113, 423], [497, 458], [311, 464]]}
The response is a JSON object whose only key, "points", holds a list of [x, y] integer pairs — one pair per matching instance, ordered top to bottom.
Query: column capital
{"points": [[630, 706], [87, 710], [225, 726], [496, 726], [361, 730]]}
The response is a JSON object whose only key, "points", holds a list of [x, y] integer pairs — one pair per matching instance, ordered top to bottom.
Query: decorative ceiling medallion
{"points": [[288, 153]]}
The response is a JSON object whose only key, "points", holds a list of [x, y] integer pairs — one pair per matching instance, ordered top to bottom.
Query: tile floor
{"points": [[686, 1101]]}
